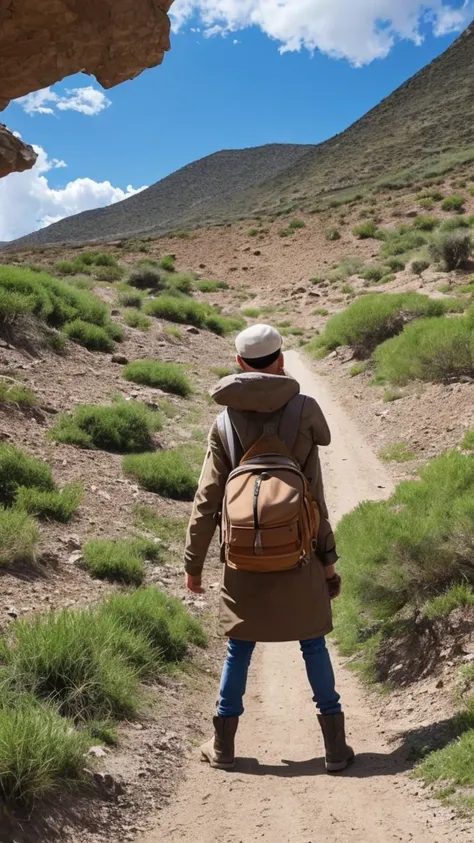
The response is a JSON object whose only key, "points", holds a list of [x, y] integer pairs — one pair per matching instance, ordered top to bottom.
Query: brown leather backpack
{"points": [[269, 519]]}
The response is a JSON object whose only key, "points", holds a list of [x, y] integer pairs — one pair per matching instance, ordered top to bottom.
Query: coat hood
{"points": [[255, 392]]}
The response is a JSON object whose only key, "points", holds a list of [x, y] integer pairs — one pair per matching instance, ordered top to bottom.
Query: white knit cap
{"points": [[258, 341]]}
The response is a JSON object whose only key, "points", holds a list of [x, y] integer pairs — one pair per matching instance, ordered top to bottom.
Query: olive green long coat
{"points": [[285, 606]]}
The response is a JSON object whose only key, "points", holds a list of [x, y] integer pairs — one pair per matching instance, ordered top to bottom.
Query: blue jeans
{"points": [[318, 668]]}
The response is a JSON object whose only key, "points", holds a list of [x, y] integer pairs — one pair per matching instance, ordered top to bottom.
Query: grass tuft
{"points": [[169, 377], [123, 427], [166, 473], [56, 505], [120, 560]]}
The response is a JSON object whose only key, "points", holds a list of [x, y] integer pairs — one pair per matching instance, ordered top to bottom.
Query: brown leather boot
{"points": [[219, 752], [338, 754]]}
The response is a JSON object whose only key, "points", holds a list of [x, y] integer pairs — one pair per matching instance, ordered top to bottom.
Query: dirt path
{"points": [[285, 796]]}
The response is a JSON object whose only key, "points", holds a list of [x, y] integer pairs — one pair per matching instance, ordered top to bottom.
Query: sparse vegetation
{"points": [[454, 203], [425, 223], [454, 223], [295, 224], [366, 231], [253, 232], [333, 234], [401, 241], [451, 249], [167, 262], [418, 266], [346, 268], [109, 273], [147, 277], [181, 282], [212, 286], [131, 298], [185, 310], [320, 311], [136, 319], [370, 320], [90, 336], [429, 350], [358, 369], [223, 371], [170, 377], [16, 394], [391, 395], [125, 426], [467, 443], [397, 452], [19, 469], [166, 473], [51, 505], [169, 530], [19, 536], [120, 560], [392, 564], [457, 596]]}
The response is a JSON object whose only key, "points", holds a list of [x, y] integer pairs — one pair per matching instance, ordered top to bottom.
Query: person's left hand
{"points": [[193, 583], [334, 584]]}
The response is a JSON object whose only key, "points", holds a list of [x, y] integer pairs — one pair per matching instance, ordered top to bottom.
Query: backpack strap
{"points": [[290, 421], [229, 438]]}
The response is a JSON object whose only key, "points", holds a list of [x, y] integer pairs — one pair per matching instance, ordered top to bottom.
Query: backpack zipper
{"points": [[257, 547]]}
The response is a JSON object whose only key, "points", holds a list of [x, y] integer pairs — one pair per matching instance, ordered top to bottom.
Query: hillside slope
{"points": [[426, 123]]}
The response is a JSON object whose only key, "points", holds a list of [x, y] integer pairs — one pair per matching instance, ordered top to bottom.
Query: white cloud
{"points": [[357, 30], [86, 100], [28, 202]]}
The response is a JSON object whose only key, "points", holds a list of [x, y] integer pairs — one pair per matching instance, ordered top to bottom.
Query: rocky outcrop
{"points": [[42, 41], [14, 154]]}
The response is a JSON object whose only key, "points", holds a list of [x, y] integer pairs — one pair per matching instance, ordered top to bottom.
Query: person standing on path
{"points": [[261, 482]]}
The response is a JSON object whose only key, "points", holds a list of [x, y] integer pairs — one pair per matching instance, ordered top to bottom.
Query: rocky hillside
{"points": [[423, 128]]}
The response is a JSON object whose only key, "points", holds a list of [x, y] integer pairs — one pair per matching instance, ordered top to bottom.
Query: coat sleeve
{"points": [[320, 435], [207, 504]]}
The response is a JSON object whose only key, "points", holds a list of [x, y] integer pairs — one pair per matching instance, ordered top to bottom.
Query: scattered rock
{"points": [[413, 212], [257, 253], [298, 291], [191, 329], [120, 358], [74, 557], [12, 612], [97, 752]]}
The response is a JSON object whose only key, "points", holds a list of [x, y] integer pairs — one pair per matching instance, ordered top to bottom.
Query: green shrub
{"points": [[426, 203], [454, 203], [425, 223], [454, 223], [294, 224], [365, 231], [252, 232], [286, 232], [333, 234], [401, 241], [451, 249], [97, 259], [167, 262], [395, 264], [74, 267], [418, 267], [346, 268], [109, 273], [373, 273], [146, 277], [181, 283], [212, 286], [131, 298], [51, 300], [186, 311], [320, 311], [252, 312], [135, 319], [370, 320], [115, 331], [173, 331], [90, 336], [429, 350], [358, 369], [169, 377], [15, 393], [123, 427], [468, 442], [397, 452], [20, 469], [166, 473], [55, 505], [19, 537], [401, 552], [121, 560], [458, 596], [160, 620], [75, 659], [40, 752], [452, 766]]}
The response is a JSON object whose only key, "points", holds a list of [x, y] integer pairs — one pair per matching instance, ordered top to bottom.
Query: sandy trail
{"points": [[285, 796]]}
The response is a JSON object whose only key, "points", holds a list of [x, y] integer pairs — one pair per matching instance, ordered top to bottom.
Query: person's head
{"points": [[259, 350]]}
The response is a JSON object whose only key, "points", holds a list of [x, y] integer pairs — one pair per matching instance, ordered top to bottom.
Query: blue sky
{"points": [[210, 93]]}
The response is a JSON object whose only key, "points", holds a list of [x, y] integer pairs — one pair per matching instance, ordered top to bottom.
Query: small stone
{"points": [[257, 253], [191, 329], [120, 358], [104, 495], [74, 557], [12, 612], [440, 684], [97, 751]]}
